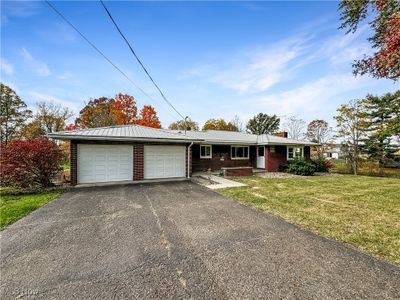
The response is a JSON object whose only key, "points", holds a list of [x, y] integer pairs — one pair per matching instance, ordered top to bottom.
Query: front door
{"points": [[261, 157]]}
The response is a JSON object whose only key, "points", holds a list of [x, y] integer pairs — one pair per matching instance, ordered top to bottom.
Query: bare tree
{"points": [[49, 117], [238, 123], [294, 127], [319, 131]]}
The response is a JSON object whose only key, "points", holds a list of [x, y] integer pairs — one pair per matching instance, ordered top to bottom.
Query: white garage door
{"points": [[164, 161], [104, 163]]}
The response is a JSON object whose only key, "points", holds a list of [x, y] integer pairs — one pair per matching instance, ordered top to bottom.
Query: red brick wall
{"points": [[283, 134], [218, 152], [274, 160], [138, 162], [73, 164], [189, 167], [240, 171]]}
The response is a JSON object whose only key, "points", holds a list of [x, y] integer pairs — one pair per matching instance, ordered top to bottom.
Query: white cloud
{"points": [[21, 9], [58, 33], [343, 48], [349, 54], [37, 66], [6, 67], [259, 69], [255, 70], [260, 72], [65, 76], [38, 97], [316, 98]]}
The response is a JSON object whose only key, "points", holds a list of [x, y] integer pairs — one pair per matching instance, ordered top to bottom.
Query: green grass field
{"points": [[368, 168], [14, 207], [358, 210]]}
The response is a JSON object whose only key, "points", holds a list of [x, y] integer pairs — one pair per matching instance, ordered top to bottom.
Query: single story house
{"points": [[332, 151], [136, 153]]}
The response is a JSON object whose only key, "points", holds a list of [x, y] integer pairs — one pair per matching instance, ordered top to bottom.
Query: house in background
{"points": [[332, 151], [136, 153]]}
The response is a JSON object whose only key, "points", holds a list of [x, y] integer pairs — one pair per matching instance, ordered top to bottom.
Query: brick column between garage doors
{"points": [[73, 162], [138, 162], [188, 166]]}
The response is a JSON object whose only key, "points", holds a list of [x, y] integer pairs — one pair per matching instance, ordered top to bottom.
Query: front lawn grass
{"points": [[14, 207], [358, 210]]}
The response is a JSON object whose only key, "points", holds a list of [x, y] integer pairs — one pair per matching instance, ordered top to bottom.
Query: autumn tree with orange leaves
{"points": [[385, 62], [124, 109], [97, 113], [148, 117]]}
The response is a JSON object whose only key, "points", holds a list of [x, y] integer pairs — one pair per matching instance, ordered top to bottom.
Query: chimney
{"points": [[283, 134]]}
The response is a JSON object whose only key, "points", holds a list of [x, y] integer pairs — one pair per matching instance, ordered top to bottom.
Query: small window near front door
{"points": [[205, 151], [261, 151], [294, 152]]}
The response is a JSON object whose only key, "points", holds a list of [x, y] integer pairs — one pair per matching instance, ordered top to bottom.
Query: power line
{"points": [[98, 50], [139, 61]]}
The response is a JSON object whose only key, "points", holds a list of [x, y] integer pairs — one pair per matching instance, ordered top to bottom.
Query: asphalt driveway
{"points": [[177, 240]]}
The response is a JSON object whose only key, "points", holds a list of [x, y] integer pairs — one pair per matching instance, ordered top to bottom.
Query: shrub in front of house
{"points": [[30, 163], [322, 165], [300, 166]]}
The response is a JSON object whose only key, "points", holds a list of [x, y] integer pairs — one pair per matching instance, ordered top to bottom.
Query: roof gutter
{"points": [[122, 139], [288, 144]]}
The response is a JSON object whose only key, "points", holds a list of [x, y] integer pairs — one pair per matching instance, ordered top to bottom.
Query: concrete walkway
{"points": [[218, 182]]}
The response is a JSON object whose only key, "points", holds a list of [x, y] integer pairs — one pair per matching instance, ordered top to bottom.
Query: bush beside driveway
{"points": [[359, 210]]}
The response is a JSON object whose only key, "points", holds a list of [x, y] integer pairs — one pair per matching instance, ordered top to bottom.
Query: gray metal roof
{"points": [[125, 132], [141, 133], [219, 136], [233, 137], [268, 139]]}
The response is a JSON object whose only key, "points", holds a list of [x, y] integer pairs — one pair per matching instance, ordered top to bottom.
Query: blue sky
{"points": [[212, 59]]}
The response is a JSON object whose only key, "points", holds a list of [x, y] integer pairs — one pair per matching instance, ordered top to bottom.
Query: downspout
{"points": [[188, 160]]}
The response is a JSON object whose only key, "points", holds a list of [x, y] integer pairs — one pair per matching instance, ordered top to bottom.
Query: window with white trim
{"points": [[205, 151], [239, 152], [293, 152]]}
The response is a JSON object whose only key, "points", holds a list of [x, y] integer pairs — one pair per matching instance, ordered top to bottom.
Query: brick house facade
{"points": [[102, 154], [221, 157]]}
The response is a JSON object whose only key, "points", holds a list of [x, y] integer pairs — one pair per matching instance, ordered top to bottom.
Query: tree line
{"points": [[17, 121], [370, 126]]}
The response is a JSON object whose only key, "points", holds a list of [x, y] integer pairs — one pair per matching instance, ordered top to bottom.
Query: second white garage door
{"points": [[164, 162]]}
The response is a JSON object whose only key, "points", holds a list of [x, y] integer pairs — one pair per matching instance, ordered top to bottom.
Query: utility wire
{"points": [[97, 49], [139, 61]]}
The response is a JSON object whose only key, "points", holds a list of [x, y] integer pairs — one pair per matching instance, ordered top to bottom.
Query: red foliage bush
{"points": [[29, 163], [328, 165]]}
